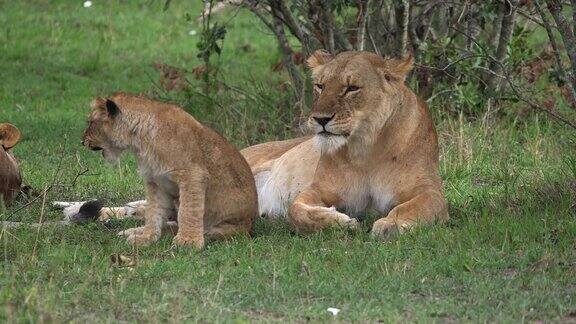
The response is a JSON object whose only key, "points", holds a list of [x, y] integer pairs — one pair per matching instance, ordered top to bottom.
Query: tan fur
{"points": [[379, 151], [192, 174], [10, 179]]}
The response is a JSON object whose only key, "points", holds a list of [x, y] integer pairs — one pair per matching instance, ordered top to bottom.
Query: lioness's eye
{"points": [[319, 86], [352, 88]]}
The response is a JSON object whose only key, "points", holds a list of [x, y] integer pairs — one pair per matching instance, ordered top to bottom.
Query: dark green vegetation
{"points": [[508, 254]]}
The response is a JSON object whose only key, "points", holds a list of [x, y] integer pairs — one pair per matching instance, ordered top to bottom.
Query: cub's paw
{"points": [[387, 229], [141, 239], [185, 240]]}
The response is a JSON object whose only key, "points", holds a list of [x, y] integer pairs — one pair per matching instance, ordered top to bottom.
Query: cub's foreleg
{"points": [[192, 191], [159, 205], [424, 208], [308, 213]]}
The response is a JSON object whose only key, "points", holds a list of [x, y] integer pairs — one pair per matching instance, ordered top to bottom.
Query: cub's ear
{"points": [[318, 58], [398, 69], [111, 108], [9, 135]]}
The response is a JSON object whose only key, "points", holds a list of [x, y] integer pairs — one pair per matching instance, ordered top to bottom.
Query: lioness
{"points": [[374, 147], [192, 174], [10, 179]]}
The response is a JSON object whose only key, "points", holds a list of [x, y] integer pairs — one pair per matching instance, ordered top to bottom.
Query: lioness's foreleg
{"points": [[192, 192], [159, 205], [425, 208], [308, 213]]}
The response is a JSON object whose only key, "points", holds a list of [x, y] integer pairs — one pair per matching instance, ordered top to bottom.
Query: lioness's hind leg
{"points": [[133, 209], [136, 209], [308, 214], [170, 227], [132, 231]]}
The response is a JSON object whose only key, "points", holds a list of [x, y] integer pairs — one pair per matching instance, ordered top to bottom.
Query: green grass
{"points": [[508, 254]]}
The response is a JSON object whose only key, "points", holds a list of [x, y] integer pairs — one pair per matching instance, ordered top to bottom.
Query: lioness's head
{"points": [[354, 93], [101, 132]]}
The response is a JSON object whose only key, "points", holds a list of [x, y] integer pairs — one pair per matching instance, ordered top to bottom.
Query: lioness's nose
{"points": [[323, 120]]}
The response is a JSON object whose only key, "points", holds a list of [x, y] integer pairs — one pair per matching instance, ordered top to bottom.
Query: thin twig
{"points": [[557, 59], [515, 89]]}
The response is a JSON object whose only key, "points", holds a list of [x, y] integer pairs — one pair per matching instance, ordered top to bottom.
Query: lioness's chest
{"points": [[359, 192]]}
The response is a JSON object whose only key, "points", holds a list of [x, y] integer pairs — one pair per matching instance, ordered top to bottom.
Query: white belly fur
{"points": [[287, 176], [279, 185]]}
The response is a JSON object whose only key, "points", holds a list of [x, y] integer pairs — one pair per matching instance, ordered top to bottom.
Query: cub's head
{"points": [[354, 94], [101, 133], [10, 180]]}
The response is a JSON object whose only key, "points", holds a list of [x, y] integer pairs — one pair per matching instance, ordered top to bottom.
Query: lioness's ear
{"points": [[320, 57], [399, 68], [111, 108], [9, 135]]}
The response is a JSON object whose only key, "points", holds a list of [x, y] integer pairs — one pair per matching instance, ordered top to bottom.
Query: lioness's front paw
{"points": [[388, 228], [141, 239], [183, 240]]}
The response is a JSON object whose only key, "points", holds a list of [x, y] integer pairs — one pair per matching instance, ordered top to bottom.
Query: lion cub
{"points": [[192, 174]]}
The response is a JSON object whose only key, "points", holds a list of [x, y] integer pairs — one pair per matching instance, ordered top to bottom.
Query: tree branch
{"points": [[508, 7], [363, 8], [555, 8], [402, 19], [294, 27], [556, 51], [287, 56], [515, 89]]}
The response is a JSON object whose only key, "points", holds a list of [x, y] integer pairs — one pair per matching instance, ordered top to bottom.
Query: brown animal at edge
{"points": [[192, 174], [10, 179]]}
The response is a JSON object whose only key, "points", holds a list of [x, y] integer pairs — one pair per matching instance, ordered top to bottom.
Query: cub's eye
{"points": [[318, 86], [352, 89]]}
